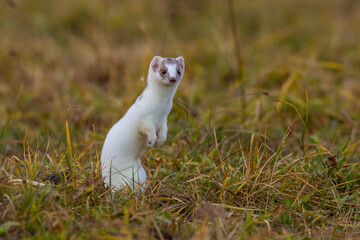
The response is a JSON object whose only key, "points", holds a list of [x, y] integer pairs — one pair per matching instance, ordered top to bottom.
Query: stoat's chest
{"points": [[153, 105], [154, 110], [159, 114]]}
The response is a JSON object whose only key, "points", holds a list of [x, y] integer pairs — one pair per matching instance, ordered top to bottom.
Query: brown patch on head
{"points": [[170, 61], [178, 62], [155, 63], [181, 63], [155, 66], [163, 68]]}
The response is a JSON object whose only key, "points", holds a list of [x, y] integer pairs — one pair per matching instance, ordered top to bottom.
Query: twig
{"points": [[239, 58], [177, 101], [34, 183]]}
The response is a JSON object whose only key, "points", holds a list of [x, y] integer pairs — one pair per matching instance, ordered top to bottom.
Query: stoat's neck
{"points": [[160, 91]]}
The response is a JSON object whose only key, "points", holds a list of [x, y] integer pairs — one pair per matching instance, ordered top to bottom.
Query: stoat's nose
{"points": [[172, 80]]}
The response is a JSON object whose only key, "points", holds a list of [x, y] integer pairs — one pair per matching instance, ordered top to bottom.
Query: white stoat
{"points": [[143, 126]]}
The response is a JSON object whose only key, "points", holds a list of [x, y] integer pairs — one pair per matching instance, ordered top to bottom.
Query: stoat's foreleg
{"points": [[148, 130], [161, 136]]}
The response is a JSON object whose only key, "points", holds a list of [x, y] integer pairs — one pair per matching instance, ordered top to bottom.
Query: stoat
{"points": [[143, 126]]}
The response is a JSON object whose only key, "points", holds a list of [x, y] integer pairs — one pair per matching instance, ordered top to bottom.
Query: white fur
{"points": [[143, 126]]}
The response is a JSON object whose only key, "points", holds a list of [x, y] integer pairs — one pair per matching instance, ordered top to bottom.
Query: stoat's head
{"points": [[166, 71]]}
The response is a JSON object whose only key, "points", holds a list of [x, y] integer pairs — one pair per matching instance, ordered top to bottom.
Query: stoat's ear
{"points": [[181, 62], [155, 63]]}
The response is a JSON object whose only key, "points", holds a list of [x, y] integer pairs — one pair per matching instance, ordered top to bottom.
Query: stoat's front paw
{"points": [[151, 141], [160, 141]]}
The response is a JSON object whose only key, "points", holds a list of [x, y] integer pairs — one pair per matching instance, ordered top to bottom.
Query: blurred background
{"points": [[249, 65]]}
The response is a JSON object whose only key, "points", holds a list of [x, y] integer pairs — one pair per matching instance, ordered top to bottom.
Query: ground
{"points": [[263, 138]]}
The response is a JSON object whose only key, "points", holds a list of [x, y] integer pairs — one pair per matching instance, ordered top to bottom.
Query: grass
{"points": [[276, 86]]}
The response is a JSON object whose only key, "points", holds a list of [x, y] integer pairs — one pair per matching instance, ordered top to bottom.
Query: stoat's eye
{"points": [[163, 72], [178, 72]]}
